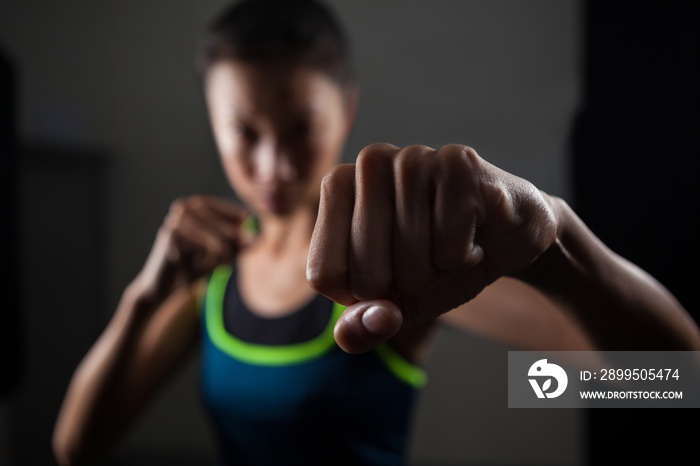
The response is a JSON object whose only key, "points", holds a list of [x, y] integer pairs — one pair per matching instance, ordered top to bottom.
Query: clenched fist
{"points": [[199, 233], [406, 234]]}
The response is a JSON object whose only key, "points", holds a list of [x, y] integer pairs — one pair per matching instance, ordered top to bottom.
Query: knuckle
{"points": [[377, 148], [415, 150], [457, 150], [374, 155], [456, 156], [366, 159], [405, 160], [411, 164], [457, 167], [373, 168], [332, 177], [338, 185], [196, 201], [177, 206], [180, 208], [174, 219], [167, 229], [216, 248], [316, 278], [323, 279]]}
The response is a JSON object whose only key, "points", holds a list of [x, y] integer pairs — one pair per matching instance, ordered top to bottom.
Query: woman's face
{"points": [[279, 129]]}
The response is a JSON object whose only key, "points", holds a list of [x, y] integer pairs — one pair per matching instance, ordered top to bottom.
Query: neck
{"points": [[289, 234]]}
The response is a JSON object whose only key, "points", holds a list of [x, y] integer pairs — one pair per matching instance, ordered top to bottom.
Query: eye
{"points": [[302, 128], [299, 131], [246, 132]]}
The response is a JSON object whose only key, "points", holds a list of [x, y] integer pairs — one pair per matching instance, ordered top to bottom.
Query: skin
{"points": [[447, 227], [409, 238]]}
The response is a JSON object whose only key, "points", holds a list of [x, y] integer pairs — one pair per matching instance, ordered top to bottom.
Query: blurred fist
{"points": [[199, 233]]}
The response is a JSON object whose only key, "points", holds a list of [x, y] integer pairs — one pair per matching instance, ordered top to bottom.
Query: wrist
{"points": [[554, 269], [136, 300]]}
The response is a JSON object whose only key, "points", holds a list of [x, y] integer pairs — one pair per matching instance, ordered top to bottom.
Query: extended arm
{"points": [[406, 235], [578, 295], [620, 306]]}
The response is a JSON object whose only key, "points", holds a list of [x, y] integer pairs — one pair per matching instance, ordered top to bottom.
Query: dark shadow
{"points": [[635, 182]]}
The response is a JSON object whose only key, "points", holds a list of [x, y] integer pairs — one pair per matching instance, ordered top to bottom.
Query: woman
{"points": [[406, 238]]}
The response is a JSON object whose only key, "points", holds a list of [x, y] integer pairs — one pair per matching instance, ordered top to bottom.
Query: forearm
{"points": [[619, 305], [99, 401]]}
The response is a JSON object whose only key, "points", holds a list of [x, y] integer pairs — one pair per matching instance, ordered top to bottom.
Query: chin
{"points": [[278, 208]]}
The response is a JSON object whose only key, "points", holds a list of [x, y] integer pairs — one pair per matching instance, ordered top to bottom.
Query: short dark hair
{"points": [[263, 31]]}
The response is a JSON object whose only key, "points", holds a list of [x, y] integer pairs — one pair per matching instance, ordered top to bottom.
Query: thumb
{"points": [[367, 324]]}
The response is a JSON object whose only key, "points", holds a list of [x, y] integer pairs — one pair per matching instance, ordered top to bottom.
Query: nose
{"points": [[273, 163]]}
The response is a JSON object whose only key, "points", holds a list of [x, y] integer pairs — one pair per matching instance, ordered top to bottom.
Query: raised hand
{"points": [[198, 233], [407, 234]]}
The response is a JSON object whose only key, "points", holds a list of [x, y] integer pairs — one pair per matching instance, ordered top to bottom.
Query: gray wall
{"points": [[501, 76]]}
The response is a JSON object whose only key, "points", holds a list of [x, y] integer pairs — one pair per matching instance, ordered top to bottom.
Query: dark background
{"points": [[635, 159], [10, 356]]}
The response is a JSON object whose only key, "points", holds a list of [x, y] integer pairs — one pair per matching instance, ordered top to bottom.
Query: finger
{"points": [[223, 207], [458, 211], [222, 217], [199, 235], [204, 247], [370, 262], [327, 263], [413, 268], [366, 325]]}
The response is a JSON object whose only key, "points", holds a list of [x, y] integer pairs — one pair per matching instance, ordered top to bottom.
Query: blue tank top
{"points": [[306, 403]]}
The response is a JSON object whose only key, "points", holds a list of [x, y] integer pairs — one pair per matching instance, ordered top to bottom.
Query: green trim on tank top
{"points": [[251, 225], [254, 353], [283, 355], [399, 366]]}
